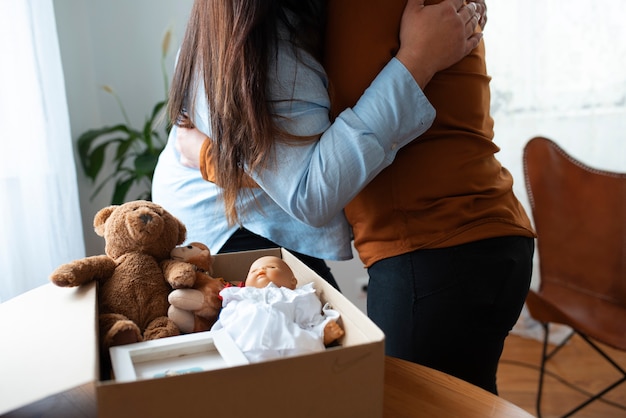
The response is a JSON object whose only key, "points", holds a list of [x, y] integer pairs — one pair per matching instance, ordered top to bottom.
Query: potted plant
{"points": [[136, 150]]}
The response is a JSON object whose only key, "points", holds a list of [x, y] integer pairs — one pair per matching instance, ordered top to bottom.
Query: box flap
{"points": [[235, 266], [48, 343]]}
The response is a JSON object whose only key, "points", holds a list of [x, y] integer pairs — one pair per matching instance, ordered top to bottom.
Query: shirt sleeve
{"points": [[313, 181]]}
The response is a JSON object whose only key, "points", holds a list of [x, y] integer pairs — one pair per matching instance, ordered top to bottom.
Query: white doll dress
{"points": [[274, 322]]}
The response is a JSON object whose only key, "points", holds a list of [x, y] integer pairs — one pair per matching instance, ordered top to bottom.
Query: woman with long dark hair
{"points": [[279, 173]]}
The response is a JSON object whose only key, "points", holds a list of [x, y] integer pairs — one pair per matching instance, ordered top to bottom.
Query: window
{"points": [[40, 224]]}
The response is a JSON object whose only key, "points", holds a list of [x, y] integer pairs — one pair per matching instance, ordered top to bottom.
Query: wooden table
{"points": [[411, 390]]}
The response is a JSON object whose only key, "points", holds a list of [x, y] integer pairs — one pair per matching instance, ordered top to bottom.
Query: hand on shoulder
{"points": [[434, 37]]}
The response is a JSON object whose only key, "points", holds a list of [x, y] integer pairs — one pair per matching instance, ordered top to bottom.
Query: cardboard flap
{"points": [[235, 266], [47, 343]]}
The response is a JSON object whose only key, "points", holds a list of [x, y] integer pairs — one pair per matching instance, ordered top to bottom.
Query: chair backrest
{"points": [[580, 217]]}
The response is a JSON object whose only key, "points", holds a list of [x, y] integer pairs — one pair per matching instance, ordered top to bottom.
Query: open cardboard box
{"points": [[49, 346]]}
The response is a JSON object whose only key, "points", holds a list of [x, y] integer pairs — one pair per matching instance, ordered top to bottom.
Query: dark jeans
{"points": [[244, 240], [451, 309]]}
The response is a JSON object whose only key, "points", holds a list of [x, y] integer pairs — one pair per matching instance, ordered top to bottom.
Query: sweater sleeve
{"points": [[313, 181]]}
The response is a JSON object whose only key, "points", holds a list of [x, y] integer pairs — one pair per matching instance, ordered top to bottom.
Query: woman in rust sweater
{"points": [[447, 244]]}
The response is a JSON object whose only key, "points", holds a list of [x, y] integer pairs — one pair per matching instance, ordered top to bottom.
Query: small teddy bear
{"points": [[136, 275], [197, 308]]}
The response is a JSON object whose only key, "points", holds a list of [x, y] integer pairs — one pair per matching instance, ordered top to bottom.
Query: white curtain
{"points": [[40, 225]]}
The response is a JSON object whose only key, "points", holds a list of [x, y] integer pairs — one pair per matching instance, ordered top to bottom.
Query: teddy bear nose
{"points": [[145, 218]]}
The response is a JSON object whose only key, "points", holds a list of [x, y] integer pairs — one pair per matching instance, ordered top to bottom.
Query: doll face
{"points": [[268, 270]]}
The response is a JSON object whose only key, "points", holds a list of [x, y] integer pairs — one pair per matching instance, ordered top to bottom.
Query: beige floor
{"points": [[577, 363]]}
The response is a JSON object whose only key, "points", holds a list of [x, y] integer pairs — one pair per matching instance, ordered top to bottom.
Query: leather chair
{"points": [[579, 214]]}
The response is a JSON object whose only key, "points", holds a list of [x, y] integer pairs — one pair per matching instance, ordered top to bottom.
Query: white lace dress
{"points": [[274, 322]]}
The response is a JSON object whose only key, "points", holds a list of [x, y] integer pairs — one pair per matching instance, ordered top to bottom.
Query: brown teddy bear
{"points": [[136, 274], [196, 309]]}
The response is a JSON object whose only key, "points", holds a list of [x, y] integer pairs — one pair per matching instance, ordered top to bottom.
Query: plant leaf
{"points": [[156, 111], [147, 134], [85, 140], [123, 149], [136, 151], [92, 155], [92, 163], [146, 163], [98, 188], [121, 190]]}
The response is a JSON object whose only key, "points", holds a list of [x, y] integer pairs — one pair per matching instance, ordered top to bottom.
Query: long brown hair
{"points": [[230, 42]]}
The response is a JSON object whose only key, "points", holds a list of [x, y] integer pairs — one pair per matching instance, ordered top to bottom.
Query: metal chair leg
{"points": [[545, 356], [542, 368], [608, 388]]}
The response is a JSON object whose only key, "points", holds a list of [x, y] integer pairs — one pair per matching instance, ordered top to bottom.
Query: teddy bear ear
{"points": [[101, 217], [182, 232], [200, 245]]}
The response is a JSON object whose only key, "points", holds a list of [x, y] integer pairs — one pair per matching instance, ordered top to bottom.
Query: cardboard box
{"points": [[54, 349]]}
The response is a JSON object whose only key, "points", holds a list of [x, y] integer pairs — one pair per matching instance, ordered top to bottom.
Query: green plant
{"points": [[136, 150]]}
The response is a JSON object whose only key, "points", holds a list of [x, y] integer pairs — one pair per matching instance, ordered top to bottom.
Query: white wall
{"points": [[115, 43]]}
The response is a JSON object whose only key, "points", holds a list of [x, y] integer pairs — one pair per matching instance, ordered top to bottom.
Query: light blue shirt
{"points": [[300, 202]]}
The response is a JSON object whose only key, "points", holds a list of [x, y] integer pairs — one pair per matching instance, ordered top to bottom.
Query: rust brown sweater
{"points": [[445, 188]]}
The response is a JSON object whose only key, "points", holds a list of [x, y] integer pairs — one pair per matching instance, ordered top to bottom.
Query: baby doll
{"points": [[270, 318]]}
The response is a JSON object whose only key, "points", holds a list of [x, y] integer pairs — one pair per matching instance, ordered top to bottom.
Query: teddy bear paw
{"points": [[63, 278], [183, 279], [160, 327], [121, 333]]}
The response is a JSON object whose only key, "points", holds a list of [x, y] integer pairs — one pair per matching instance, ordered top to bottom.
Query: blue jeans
{"points": [[451, 308]]}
